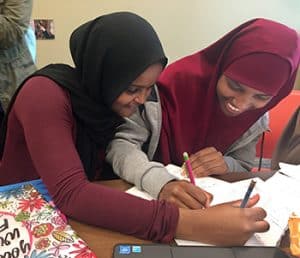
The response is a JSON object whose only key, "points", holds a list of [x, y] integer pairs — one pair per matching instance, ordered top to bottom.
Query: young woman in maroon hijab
{"points": [[210, 99], [213, 106], [61, 119]]}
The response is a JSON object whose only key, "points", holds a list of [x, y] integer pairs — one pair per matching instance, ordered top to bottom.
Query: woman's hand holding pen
{"points": [[208, 161], [185, 195], [225, 224]]}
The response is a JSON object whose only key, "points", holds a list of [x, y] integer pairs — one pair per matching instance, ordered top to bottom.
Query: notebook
{"points": [[31, 226], [166, 251]]}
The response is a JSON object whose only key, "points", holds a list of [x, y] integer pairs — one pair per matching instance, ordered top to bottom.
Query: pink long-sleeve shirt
{"points": [[40, 143]]}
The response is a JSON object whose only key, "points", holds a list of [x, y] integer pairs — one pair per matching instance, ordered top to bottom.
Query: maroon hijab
{"points": [[260, 53]]}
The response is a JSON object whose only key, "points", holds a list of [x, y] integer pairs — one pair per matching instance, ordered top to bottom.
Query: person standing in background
{"points": [[16, 62], [288, 146]]}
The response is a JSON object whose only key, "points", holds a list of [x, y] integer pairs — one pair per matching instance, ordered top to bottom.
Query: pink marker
{"points": [[189, 167]]}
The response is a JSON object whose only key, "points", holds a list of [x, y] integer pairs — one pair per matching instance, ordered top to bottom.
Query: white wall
{"points": [[184, 26]]}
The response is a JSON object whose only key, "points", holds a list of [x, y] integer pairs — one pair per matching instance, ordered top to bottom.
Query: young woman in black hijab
{"points": [[61, 119]]}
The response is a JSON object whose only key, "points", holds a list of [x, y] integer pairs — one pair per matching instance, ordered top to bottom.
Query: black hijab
{"points": [[109, 53]]}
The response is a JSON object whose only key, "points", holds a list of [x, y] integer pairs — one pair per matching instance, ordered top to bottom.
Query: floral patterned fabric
{"points": [[31, 227]]}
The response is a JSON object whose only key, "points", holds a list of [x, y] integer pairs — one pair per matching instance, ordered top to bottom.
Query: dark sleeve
{"points": [[44, 112], [288, 146]]}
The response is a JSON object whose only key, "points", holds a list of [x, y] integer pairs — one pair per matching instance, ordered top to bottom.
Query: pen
{"points": [[189, 168], [283, 174], [248, 193]]}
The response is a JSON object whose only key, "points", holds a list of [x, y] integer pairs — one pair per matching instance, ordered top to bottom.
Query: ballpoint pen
{"points": [[248, 193]]}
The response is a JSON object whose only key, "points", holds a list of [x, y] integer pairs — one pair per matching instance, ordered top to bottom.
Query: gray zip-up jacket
{"points": [[132, 150]]}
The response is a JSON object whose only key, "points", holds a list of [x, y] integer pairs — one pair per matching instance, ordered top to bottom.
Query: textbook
{"points": [[279, 196], [32, 227]]}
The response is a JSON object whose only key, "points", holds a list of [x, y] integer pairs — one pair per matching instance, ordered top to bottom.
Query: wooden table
{"points": [[102, 241]]}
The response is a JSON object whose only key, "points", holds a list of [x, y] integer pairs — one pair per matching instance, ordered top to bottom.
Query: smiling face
{"points": [[138, 92], [235, 98]]}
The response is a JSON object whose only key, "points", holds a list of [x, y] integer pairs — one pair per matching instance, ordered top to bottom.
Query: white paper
{"points": [[290, 170], [136, 192], [279, 196]]}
